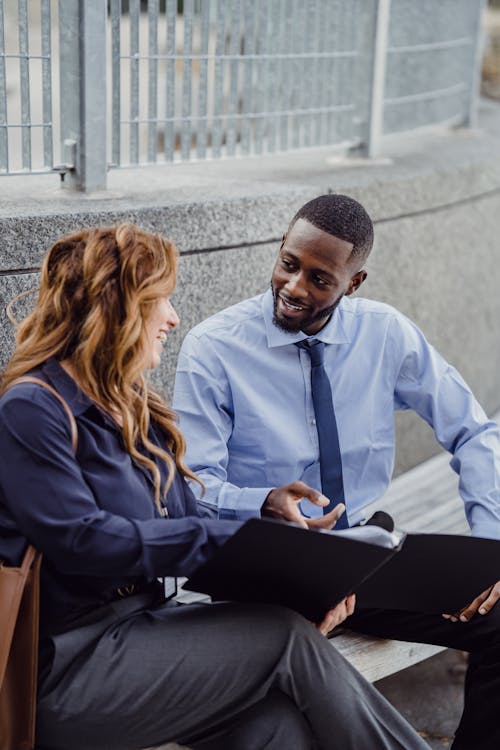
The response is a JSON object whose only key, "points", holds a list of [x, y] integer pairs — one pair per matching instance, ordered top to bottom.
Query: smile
{"points": [[289, 306], [162, 337]]}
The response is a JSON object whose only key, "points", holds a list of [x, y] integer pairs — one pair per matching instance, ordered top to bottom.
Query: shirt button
{"points": [[313, 421]]}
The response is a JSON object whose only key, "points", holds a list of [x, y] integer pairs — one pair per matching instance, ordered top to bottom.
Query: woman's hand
{"points": [[337, 615]]}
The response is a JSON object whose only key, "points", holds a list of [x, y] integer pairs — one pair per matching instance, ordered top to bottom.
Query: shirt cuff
{"points": [[247, 504], [486, 530]]}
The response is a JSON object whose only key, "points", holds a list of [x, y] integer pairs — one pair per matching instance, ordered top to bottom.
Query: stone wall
{"points": [[435, 200]]}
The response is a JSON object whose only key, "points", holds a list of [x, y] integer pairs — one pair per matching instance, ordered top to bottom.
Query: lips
{"points": [[291, 308], [162, 337]]}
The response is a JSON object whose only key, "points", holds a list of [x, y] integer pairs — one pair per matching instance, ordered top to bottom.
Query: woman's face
{"points": [[163, 318]]}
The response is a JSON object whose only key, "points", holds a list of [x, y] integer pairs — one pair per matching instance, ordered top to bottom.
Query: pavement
{"points": [[430, 696]]}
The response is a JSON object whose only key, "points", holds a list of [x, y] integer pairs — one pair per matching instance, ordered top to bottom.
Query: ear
{"points": [[356, 281]]}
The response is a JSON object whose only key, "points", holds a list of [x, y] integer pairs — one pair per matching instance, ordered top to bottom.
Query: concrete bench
{"points": [[422, 499]]}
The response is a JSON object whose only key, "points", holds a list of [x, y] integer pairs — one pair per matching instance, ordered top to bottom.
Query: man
{"points": [[259, 384]]}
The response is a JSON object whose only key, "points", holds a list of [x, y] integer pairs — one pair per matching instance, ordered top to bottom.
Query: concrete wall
{"points": [[435, 200]]}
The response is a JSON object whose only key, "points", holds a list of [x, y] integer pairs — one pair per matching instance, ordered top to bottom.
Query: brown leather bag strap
{"points": [[39, 381], [27, 562]]}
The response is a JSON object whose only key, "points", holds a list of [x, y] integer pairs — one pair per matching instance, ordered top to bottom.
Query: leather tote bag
{"points": [[19, 601]]}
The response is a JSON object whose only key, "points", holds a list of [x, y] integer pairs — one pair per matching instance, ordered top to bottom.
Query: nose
{"points": [[296, 285], [172, 319]]}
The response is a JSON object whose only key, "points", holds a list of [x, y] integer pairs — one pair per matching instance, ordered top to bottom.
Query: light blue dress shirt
{"points": [[243, 395]]}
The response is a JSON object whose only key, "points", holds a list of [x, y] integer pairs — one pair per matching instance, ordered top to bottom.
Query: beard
{"points": [[301, 324]]}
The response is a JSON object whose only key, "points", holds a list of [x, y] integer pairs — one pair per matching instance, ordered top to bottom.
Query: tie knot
{"points": [[316, 350]]}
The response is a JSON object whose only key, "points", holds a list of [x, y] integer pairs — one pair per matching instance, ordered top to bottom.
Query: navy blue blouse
{"points": [[92, 515]]}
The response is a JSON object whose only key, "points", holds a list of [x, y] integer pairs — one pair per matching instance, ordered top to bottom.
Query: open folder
{"points": [[309, 571]]}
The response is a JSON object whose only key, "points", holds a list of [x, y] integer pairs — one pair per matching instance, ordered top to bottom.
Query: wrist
{"points": [[267, 505]]}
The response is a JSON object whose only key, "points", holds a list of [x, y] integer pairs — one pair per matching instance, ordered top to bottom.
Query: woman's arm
{"points": [[43, 488]]}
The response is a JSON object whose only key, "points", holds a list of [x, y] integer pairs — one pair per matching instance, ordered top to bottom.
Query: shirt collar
{"points": [[333, 333], [64, 384]]}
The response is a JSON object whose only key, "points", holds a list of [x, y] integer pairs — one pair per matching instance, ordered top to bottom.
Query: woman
{"points": [[121, 666]]}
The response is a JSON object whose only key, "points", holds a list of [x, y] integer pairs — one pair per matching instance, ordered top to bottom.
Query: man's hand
{"points": [[283, 502], [327, 521], [483, 604], [337, 615]]}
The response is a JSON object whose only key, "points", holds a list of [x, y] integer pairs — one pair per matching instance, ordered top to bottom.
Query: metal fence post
{"points": [[82, 43], [376, 111], [471, 118]]}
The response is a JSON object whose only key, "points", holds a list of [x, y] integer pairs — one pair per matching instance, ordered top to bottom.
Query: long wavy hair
{"points": [[98, 288]]}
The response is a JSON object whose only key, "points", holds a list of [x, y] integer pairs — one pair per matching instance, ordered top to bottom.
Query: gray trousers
{"points": [[212, 676]]}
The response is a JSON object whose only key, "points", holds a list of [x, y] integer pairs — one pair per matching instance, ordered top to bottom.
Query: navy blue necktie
{"points": [[330, 460]]}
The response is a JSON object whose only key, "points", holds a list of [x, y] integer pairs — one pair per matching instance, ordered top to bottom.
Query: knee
{"points": [[270, 617], [289, 618], [287, 623]]}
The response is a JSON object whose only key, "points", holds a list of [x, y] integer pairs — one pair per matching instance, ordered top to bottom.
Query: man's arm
{"points": [[427, 384], [437, 392], [203, 401]]}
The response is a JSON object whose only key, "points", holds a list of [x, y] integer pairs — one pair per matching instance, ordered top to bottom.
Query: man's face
{"points": [[314, 270]]}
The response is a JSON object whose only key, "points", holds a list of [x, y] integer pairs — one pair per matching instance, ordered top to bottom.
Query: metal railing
{"points": [[32, 63], [230, 79], [126, 82]]}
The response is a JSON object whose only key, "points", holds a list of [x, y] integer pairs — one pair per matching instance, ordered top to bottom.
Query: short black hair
{"points": [[341, 216]]}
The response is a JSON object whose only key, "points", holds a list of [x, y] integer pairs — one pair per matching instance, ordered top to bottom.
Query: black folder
{"points": [[273, 562]]}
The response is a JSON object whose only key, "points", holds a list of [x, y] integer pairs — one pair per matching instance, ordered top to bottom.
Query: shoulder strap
{"points": [[39, 381]]}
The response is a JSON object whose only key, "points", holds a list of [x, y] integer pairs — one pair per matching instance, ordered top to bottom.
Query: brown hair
{"points": [[96, 293]]}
